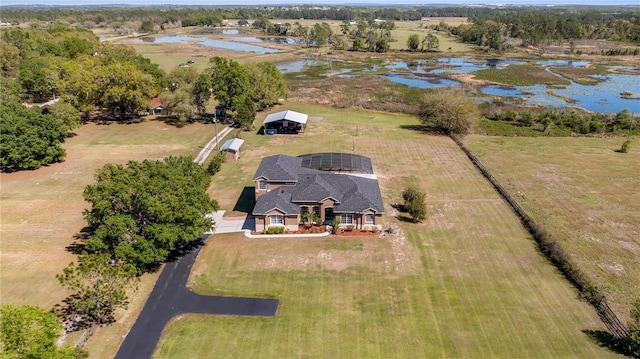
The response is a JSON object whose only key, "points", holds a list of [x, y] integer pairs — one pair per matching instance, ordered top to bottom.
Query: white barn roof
{"points": [[287, 115], [232, 145]]}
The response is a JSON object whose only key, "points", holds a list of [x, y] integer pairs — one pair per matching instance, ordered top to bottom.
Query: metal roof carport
{"points": [[289, 122]]}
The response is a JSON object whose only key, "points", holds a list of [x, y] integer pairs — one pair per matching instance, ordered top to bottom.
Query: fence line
{"points": [[552, 250]]}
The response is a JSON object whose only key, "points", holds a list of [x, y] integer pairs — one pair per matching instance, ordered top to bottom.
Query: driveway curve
{"points": [[171, 297]]}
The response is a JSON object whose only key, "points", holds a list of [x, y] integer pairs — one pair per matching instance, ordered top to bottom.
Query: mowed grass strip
{"points": [[586, 194], [42, 210], [468, 283]]}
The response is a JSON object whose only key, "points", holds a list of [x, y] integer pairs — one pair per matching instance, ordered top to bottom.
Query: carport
{"points": [[285, 122]]}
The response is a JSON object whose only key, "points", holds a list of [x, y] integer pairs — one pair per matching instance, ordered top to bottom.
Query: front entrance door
{"points": [[328, 214]]}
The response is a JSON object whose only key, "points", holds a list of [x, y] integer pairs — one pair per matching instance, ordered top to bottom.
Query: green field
{"points": [[586, 194], [468, 283]]}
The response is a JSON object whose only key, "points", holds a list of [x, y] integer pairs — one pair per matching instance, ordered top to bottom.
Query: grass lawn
{"points": [[583, 192], [42, 210], [467, 283]]}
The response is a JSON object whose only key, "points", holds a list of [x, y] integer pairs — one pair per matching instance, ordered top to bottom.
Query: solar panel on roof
{"points": [[341, 162]]}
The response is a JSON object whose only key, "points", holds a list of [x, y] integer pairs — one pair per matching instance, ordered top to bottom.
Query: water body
{"points": [[271, 40], [219, 44], [603, 97]]}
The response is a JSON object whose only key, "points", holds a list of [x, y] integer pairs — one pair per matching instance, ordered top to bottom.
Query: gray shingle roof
{"points": [[278, 168], [353, 194], [279, 198]]}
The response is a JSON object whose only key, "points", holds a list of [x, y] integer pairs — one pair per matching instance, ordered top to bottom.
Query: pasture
{"points": [[586, 194], [42, 211], [469, 282]]}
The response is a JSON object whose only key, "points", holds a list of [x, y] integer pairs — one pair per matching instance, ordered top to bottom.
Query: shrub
{"points": [[449, 110], [626, 146], [216, 163], [414, 203], [335, 224], [350, 227], [275, 230]]}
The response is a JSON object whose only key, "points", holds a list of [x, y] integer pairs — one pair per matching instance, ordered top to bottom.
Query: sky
{"points": [[324, 2]]}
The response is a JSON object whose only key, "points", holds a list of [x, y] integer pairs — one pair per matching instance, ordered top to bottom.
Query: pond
{"points": [[272, 40], [220, 44], [603, 97]]}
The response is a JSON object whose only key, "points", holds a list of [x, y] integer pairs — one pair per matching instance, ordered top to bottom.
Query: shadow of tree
{"points": [[424, 129], [246, 200], [403, 218], [78, 246], [184, 249], [625, 346]]}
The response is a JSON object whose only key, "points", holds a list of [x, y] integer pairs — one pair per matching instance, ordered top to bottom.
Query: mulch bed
{"points": [[321, 229]]}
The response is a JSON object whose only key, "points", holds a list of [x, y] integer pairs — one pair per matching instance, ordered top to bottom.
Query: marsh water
{"points": [[230, 44], [603, 96]]}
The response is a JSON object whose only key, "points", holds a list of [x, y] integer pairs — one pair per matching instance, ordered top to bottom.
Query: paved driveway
{"points": [[231, 225], [171, 297]]}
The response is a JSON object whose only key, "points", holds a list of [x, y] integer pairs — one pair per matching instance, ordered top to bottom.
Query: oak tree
{"points": [[29, 139], [141, 211]]}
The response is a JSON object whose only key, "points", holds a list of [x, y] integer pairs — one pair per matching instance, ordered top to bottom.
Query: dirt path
{"points": [[215, 141]]}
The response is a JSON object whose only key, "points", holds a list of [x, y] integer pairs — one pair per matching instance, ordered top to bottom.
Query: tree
{"points": [[147, 26], [320, 34], [431, 41], [412, 42], [357, 44], [382, 45], [39, 77], [230, 83], [79, 84], [267, 84], [126, 89], [200, 92], [178, 103], [449, 110], [66, 114], [246, 114], [28, 138], [414, 203], [144, 210], [100, 285], [31, 332]]}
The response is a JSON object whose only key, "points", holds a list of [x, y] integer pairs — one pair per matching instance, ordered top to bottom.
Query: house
{"points": [[155, 106], [285, 122], [232, 146], [328, 184]]}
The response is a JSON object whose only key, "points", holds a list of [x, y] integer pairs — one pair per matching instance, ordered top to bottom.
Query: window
{"points": [[262, 184], [304, 210], [316, 210], [346, 218], [369, 218], [276, 219]]}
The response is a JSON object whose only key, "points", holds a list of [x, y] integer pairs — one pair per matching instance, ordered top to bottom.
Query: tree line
{"points": [[531, 24], [541, 26]]}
